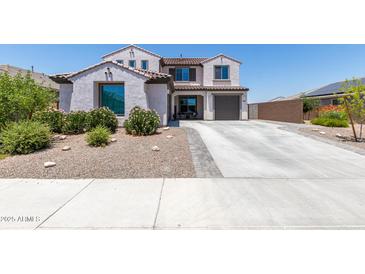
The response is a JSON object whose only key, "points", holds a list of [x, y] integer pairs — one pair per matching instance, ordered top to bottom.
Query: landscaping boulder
{"points": [[166, 128], [322, 132], [169, 136], [62, 137], [113, 139], [66, 148], [155, 148], [49, 164]]}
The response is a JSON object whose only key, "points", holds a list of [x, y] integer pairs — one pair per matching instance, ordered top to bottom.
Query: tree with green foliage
{"points": [[21, 96], [354, 103], [309, 104]]}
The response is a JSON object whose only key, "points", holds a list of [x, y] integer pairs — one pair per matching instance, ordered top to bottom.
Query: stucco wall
{"points": [[139, 55], [234, 72], [199, 75], [85, 94], [65, 96], [157, 96], [285, 111]]}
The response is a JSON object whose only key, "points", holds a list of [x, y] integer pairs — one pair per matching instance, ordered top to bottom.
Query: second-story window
{"points": [[119, 61], [132, 63], [144, 64], [221, 72], [182, 74]]}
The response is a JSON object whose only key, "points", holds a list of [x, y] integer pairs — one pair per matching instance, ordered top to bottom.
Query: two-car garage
{"points": [[227, 107]]}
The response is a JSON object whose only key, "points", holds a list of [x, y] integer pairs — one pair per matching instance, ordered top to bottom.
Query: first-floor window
{"points": [[132, 63], [144, 64], [221, 72], [182, 74], [112, 96], [188, 104]]}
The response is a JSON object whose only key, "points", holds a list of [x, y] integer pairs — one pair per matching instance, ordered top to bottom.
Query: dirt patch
{"points": [[128, 157]]}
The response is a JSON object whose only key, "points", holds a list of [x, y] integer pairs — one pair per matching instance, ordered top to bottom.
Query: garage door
{"points": [[227, 107]]}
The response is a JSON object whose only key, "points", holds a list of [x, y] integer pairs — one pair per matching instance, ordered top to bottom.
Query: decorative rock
{"points": [[166, 128], [315, 129], [322, 132], [338, 135], [169, 136], [63, 137], [113, 140], [66, 148], [155, 148], [49, 164]]}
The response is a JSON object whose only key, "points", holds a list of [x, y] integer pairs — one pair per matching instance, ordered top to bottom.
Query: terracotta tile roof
{"points": [[131, 46], [194, 61], [151, 75], [210, 88]]}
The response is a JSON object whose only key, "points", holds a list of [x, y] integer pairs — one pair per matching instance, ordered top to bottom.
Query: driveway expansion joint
{"points": [[64, 204], [159, 204]]}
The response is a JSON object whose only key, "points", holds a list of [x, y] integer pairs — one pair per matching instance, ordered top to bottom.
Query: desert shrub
{"points": [[21, 97], [331, 108], [336, 115], [52, 117], [102, 117], [331, 117], [75, 122], [142, 122], [327, 122], [98, 136], [25, 137]]}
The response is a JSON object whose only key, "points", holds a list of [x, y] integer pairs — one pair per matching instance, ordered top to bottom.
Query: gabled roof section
{"points": [[131, 46], [221, 55], [191, 61], [150, 75]]}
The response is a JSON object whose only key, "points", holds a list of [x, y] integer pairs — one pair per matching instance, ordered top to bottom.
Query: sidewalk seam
{"points": [[69, 200], [159, 204]]}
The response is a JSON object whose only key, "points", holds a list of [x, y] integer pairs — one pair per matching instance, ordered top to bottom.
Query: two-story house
{"points": [[177, 88]]}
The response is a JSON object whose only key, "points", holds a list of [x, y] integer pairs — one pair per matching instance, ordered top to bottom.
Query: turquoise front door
{"points": [[112, 96]]}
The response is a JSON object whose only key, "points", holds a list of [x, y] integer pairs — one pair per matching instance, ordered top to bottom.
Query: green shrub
{"points": [[21, 97], [338, 115], [102, 117], [53, 118], [331, 119], [75, 122], [142, 122], [328, 122], [98, 136], [25, 137]]}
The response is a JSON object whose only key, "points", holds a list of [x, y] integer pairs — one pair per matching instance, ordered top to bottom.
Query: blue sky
{"points": [[268, 70]]}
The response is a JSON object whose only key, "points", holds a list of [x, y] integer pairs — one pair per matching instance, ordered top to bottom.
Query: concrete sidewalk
{"points": [[221, 203]]}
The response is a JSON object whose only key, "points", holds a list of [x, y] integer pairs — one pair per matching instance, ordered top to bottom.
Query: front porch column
{"points": [[208, 106]]}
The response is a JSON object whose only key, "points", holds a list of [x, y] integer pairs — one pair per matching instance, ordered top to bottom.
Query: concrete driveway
{"points": [[256, 149]]}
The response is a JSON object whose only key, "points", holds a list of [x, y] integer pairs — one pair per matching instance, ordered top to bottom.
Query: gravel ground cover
{"points": [[330, 133], [128, 157]]}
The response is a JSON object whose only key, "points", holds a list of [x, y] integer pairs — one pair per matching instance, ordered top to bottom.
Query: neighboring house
{"points": [[40, 78], [177, 88], [327, 95]]}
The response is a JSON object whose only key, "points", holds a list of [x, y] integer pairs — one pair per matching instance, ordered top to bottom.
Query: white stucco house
{"points": [[177, 88]]}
